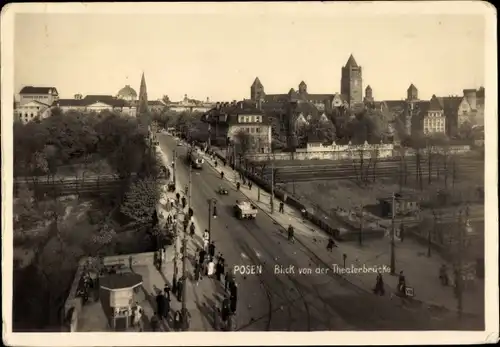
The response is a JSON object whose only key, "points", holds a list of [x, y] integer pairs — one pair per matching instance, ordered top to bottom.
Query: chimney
{"points": [[471, 96], [241, 105]]}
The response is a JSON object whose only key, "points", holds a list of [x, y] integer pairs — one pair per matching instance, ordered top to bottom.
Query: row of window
{"points": [[36, 97], [249, 119], [251, 130]]}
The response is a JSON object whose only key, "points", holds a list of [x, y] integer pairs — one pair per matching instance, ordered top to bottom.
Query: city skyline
{"points": [[117, 48]]}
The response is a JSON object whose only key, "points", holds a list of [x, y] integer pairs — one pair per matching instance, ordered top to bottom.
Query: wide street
{"points": [[286, 302]]}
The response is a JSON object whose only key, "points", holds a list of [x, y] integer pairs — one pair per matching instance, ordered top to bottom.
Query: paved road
{"points": [[287, 302]]}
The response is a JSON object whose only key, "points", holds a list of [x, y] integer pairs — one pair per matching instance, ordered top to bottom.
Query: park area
{"points": [[55, 228]]}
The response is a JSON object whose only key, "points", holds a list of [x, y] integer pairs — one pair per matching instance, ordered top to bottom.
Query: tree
{"points": [[323, 129], [466, 131], [243, 144], [141, 200], [26, 215]]}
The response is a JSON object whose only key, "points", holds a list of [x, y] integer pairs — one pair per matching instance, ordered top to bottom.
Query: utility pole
{"points": [[174, 165], [189, 185], [272, 187], [210, 202], [361, 226], [393, 231], [459, 274], [184, 310]]}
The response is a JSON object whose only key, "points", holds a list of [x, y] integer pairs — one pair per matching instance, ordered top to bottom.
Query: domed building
{"points": [[127, 93]]}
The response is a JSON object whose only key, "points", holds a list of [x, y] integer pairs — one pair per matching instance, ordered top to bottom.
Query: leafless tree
{"points": [[243, 142]]}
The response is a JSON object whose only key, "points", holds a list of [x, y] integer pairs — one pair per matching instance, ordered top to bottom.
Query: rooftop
{"points": [[38, 90]]}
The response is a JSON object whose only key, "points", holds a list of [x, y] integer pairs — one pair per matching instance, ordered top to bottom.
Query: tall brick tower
{"points": [[351, 84], [257, 90]]}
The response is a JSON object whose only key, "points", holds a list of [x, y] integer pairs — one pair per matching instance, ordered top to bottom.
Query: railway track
{"points": [[354, 170]]}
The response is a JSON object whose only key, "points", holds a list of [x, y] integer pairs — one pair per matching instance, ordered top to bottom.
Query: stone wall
{"points": [[329, 152]]}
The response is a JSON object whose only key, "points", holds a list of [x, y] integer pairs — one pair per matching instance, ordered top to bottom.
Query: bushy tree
{"points": [[141, 200]]}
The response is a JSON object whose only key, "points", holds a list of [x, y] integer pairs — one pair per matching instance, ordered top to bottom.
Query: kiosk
{"points": [[118, 297]]}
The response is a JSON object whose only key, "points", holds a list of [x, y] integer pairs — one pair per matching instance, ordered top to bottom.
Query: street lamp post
{"points": [[361, 221], [393, 231]]}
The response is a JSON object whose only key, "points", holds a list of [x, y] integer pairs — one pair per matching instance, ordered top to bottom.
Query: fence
{"points": [[60, 187]]}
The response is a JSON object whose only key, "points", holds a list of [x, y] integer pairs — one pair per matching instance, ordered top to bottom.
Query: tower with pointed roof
{"points": [[351, 84], [302, 88], [257, 90], [412, 93], [368, 94], [142, 106]]}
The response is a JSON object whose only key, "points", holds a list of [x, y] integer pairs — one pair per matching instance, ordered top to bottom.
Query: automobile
{"points": [[222, 191], [245, 210]]}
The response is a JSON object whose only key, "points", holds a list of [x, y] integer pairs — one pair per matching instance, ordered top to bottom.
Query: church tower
{"points": [[351, 84], [302, 88], [257, 90], [412, 93], [368, 94], [142, 106]]}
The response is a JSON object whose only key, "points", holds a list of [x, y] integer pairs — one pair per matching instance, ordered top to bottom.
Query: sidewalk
{"points": [[420, 271], [202, 297]]}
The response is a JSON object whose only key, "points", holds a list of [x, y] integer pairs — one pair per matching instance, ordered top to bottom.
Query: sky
{"points": [[218, 54]]}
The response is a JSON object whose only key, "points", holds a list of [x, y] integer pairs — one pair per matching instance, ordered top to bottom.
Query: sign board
{"points": [[409, 292], [121, 298]]}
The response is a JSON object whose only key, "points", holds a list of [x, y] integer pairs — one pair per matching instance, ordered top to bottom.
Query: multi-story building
{"points": [[351, 91], [34, 102], [96, 103], [190, 105], [468, 108], [432, 117], [238, 121]]}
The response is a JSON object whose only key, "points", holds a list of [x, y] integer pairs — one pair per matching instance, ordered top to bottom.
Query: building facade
{"points": [[351, 91], [45, 95], [34, 103], [190, 105], [433, 119], [239, 122]]}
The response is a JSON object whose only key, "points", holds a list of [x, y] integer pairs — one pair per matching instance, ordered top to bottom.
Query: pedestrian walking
{"points": [[238, 185], [250, 185], [183, 202], [282, 207], [192, 230], [291, 233], [330, 245], [211, 249], [163, 253], [201, 256], [210, 268], [219, 270], [197, 271], [228, 279], [402, 283], [379, 285], [180, 287], [166, 291], [233, 302], [160, 303], [166, 308], [225, 309], [137, 316], [217, 318], [177, 320], [155, 322]]}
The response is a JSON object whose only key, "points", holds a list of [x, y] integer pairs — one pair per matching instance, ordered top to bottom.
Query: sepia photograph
{"points": [[249, 167]]}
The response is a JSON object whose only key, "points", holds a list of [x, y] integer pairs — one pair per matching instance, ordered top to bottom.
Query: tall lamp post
{"points": [[393, 231]]}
